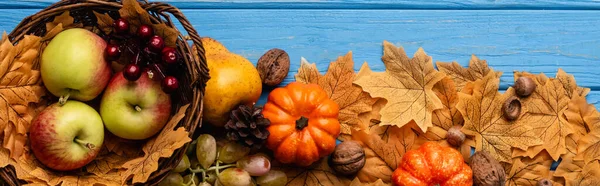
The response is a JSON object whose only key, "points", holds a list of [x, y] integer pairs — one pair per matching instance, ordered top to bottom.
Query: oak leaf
{"points": [[134, 14], [61, 22], [105, 22], [168, 34], [478, 69], [337, 82], [407, 86], [20, 87], [544, 112], [483, 119], [161, 146], [122, 147], [389, 149], [106, 162], [526, 171], [319, 173]]}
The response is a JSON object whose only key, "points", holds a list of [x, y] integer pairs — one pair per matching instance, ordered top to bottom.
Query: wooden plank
{"points": [[352, 4], [534, 41]]}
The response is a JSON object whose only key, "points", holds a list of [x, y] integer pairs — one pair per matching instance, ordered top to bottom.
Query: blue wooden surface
{"points": [[535, 36]]}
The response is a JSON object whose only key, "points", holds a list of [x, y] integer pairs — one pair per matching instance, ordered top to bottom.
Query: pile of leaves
{"points": [[22, 96], [413, 102]]}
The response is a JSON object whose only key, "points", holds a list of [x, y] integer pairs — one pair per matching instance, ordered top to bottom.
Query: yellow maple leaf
{"points": [[478, 69], [337, 82], [406, 85], [570, 85], [19, 88], [544, 112], [449, 115], [483, 119], [162, 146], [588, 146], [526, 171], [319, 173], [589, 175], [379, 182]]}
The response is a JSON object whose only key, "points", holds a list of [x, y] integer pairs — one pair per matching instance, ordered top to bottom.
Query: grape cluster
{"points": [[146, 48], [230, 164]]}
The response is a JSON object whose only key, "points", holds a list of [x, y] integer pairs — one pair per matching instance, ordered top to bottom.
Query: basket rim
{"points": [[197, 70]]}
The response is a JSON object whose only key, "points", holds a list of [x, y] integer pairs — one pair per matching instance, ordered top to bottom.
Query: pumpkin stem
{"points": [[301, 123]]}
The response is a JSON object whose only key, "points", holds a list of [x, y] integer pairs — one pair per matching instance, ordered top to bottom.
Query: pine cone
{"points": [[248, 126]]}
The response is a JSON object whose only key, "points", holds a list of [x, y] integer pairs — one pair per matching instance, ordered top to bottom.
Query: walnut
{"points": [[273, 66], [455, 137], [347, 158], [487, 171]]}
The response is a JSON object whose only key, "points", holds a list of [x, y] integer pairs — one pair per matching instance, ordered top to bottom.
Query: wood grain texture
{"points": [[353, 4], [534, 41]]}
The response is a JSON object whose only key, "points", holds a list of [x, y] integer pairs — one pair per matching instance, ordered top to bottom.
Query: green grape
{"points": [[191, 149], [206, 150], [232, 151], [194, 164], [183, 165], [256, 165], [211, 177], [235, 177], [187, 178], [272, 178], [173, 179], [204, 184]]}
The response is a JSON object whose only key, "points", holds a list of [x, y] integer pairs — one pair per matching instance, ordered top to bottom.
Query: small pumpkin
{"points": [[304, 123], [432, 164]]}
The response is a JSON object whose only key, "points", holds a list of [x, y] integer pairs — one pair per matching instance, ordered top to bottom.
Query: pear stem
{"points": [[63, 99], [138, 108], [84, 143]]}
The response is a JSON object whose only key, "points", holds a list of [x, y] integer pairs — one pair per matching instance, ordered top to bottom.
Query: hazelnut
{"points": [[273, 66], [524, 86], [511, 108], [455, 136], [347, 158], [487, 171], [544, 182]]}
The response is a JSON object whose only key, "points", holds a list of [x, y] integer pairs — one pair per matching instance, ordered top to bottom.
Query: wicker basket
{"points": [[192, 79]]}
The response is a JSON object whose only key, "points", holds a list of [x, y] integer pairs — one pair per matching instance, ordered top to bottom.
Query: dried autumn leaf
{"points": [[134, 14], [105, 22], [60, 23], [168, 34], [478, 69], [337, 82], [406, 85], [570, 85], [19, 87], [577, 110], [544, 112], [449, 115], [483, 119], [162, 146], [588, 146], [122, 147], [389, 149], [106, 162], [374, 169], [526, 171], [319, 173], [590, 175], [356, 182]]}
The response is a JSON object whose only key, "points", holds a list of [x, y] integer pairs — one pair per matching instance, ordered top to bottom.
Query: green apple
{"points": [[73, 65], [134, 110], [66, 137]]}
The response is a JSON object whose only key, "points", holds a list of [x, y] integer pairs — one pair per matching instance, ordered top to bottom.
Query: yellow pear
{"points": [[233, 81]]}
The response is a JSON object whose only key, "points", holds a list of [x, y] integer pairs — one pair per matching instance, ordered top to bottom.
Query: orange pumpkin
{"points": [[304, 123], [433, 164]]}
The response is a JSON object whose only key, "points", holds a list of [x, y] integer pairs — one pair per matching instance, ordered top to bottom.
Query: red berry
{"points": [[121, 25], [145, 31], [156, 43], [112, 52], [169, 55], [132, 72], [170, 84]]}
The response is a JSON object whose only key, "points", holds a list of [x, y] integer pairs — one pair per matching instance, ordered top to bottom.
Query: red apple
{"points": [[135, 110], [66, 137]]}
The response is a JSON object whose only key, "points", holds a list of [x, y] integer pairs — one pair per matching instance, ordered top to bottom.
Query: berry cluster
{"points": [[146, 48]]}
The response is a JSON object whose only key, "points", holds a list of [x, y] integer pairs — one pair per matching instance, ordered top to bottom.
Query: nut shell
{"points": [[273, 66], [524, 86], [511, 109], [455, 136], [347, 158], [487, 171], [544, 182]]}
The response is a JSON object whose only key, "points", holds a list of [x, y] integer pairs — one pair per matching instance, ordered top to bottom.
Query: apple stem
{"points": [[63, 99], [138, 108], [86, 144]]}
